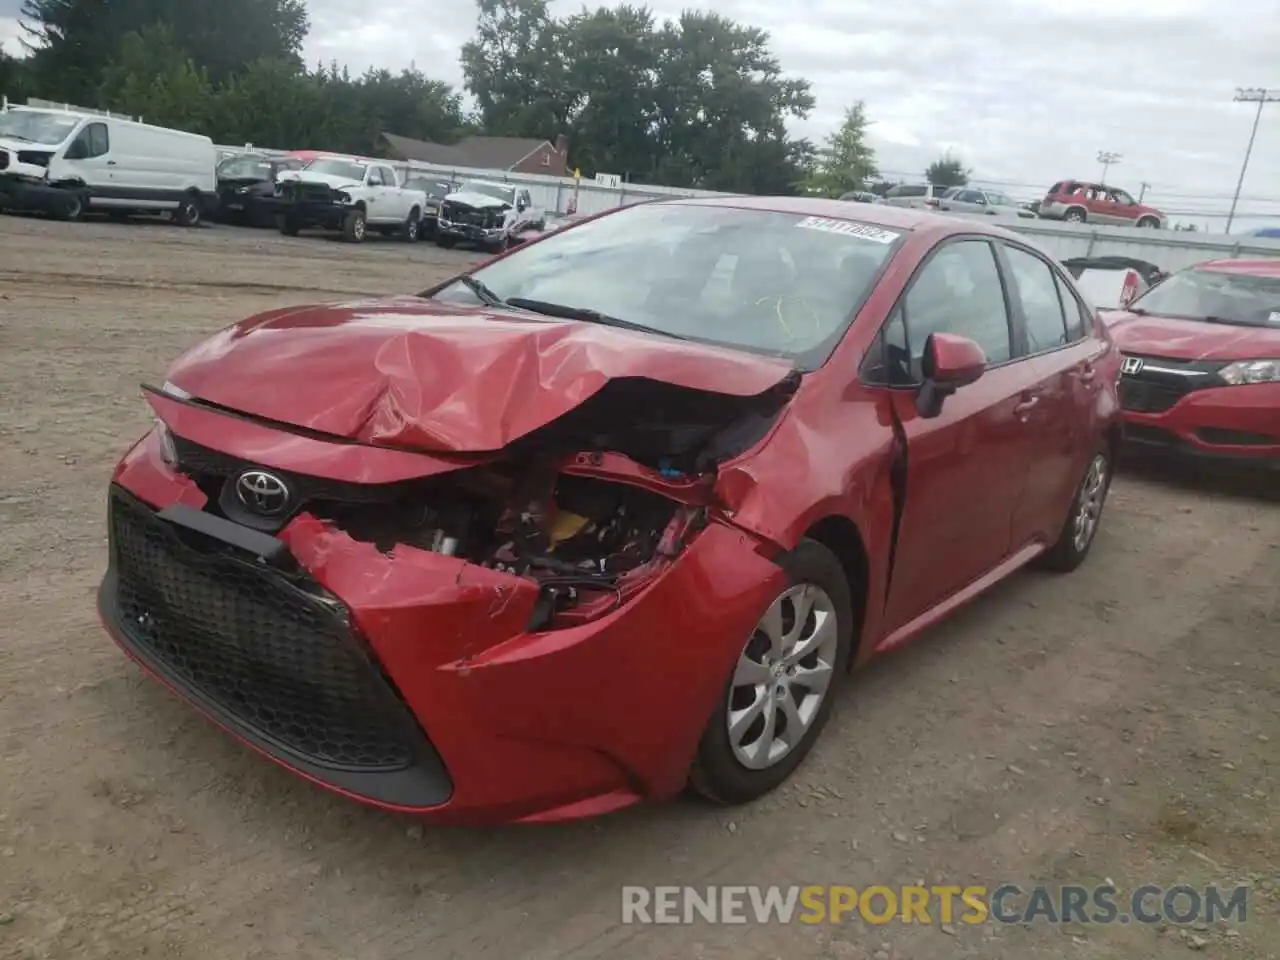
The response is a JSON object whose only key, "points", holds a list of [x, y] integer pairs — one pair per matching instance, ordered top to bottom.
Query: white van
{"points": [[68, 163]]}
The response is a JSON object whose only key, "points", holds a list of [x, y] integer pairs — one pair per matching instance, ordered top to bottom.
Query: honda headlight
{"points": [[1251, 371]]}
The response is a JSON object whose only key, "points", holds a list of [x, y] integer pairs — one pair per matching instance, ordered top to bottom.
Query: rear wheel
{"points": [[189, 211], [1075, 215], [1149, 223], [287, 225], [354, 227], [412, 227], [447, 243], [1081, 528], [779, 696]]}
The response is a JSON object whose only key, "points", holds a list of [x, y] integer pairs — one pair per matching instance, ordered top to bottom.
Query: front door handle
{"points": [[111, 163], [1088, 374], [1023, 409]]}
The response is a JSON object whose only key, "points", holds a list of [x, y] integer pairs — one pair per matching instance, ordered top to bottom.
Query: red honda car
{"points": [[1201, 370], [612, 514]]}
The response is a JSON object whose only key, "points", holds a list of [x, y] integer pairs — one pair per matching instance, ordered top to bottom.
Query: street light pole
{"points": [[1261, 97], [1107, 158]]}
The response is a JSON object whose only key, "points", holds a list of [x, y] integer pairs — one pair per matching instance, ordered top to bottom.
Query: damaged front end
{"points": [[590, 508], [393, 625]]}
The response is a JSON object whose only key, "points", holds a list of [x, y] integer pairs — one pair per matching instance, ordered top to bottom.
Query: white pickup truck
{"points": [[349, 194], [490, 215]]}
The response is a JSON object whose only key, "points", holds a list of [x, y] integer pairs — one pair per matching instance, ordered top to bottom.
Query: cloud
{"points": [[1024, 92]]}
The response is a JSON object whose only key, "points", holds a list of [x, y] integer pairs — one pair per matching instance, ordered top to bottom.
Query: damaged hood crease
{"points": [[425, 376]]}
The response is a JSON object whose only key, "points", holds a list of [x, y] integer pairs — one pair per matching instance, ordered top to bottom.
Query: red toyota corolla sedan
{"points": [[1201, 369], [612, 514]]}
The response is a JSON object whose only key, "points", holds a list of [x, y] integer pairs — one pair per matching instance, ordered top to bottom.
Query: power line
{"points": [[1261, 97]]}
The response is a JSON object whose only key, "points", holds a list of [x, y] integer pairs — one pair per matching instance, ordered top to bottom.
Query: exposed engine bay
{"points": [[587, 541]]}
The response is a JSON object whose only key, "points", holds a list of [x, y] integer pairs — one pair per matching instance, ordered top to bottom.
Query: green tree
{"points": [[73, 41], [514, 67], [152, 77], [15, 79], [847, 162], [947, 171]]}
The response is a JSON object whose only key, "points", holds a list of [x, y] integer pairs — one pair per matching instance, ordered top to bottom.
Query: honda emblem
{"points": [[1131, 366]]}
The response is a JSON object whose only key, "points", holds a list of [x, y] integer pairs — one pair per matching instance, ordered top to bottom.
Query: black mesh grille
{"points": [[311, 192], [460, 213], [1141, 396], [274, 653]]}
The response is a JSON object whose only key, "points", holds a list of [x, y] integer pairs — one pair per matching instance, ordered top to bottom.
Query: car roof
{"points": [[880, 215], [1265, 267]]}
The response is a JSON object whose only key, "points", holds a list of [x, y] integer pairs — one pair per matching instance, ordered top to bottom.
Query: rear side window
{"points": [[1057, 187], [1038, 293], [1079, 318]]}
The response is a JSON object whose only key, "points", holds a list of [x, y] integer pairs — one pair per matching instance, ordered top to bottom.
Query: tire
{"points": [[73, 206], [189, 211], [1075, 215], [1148, 223], [287, 225], [354, 227], [412, 228], [448, 243], [501, 245], [1074, 543], [720, 773]]}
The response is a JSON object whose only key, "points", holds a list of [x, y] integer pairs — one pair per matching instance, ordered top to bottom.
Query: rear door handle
{"points": [[1088, 374], [1023, 409]]}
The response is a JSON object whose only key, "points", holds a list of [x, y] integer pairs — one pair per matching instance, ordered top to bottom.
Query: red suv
{"points": [[1076, 201], [1201, 371], [614, 513]]}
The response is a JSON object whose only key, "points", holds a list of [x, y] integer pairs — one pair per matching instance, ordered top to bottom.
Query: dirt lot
{"points": [[1120, 723]]}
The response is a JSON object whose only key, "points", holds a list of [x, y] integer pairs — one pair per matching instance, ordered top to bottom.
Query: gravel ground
{"points": [[1119, 723]]}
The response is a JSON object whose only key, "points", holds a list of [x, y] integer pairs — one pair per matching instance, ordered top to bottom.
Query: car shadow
{"points": [[1245, 482]]}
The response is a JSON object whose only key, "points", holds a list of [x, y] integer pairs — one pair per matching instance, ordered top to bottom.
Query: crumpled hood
{"points": [[328, 179], [477, 200], [1191, 339], [414, 373]]}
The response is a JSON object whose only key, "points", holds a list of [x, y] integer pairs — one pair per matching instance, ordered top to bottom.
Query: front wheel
{"points": [[73, 206], [287, 225], [353, 227], [412, 228], [448, 243], [1081, 528], [779, 696]]}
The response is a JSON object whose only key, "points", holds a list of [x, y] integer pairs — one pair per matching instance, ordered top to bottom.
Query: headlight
{"points": [[343, 196], [1251, 371]]}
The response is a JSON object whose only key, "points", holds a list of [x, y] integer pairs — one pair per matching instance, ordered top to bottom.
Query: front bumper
{"points": [[21, 194], [306, 211], [468, 232], [1229, 423], [461, 714]]}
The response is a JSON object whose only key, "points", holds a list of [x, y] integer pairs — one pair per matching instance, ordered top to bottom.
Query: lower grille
{"points": [[308, 193], [457, 213], [1141, 396], [1236, 438], [273, 652]]}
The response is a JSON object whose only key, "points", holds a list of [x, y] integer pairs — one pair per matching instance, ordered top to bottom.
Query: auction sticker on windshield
{"points": [[848, 229]]}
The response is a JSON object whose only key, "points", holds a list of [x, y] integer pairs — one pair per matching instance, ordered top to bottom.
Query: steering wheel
{"points": [[793, 313]]}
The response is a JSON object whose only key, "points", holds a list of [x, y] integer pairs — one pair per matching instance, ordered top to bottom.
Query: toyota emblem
{"points": [[263, 493]]}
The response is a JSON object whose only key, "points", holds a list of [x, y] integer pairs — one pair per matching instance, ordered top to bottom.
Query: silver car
{"points": [[977, 200]]}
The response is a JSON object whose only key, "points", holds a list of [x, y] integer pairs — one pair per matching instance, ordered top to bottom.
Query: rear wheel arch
{"points": [[842, 537]]}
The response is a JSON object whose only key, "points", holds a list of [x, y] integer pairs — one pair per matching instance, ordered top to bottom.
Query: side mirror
{"points": [[982, 201], [949, 363]]}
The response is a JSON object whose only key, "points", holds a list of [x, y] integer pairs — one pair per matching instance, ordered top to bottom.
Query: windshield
{"points": [[37, 126], [334, 167], [237, 168], [489, 190], [781, 284], [1237, 298]]}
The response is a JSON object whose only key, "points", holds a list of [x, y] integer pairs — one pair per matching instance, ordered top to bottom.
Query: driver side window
{"points": [[92, 141], [957, 291]]}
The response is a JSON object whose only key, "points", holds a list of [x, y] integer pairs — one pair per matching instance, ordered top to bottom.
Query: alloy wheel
{"points": [[1089, 510], [782, 676]]}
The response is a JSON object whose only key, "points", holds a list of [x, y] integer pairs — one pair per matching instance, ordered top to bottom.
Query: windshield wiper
{"points": [[17, 136], [483, 293], [567, 312]]}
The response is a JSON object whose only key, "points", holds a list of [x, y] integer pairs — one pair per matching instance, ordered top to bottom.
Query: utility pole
{"points": [[1261, 97], [1107, 158], [1142, 194]]}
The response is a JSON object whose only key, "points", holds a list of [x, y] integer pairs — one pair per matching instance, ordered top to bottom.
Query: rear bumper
{"points": [[1230, 423]]}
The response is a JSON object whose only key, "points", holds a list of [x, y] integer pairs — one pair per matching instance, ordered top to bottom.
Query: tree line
{"points": [[699, 102]]}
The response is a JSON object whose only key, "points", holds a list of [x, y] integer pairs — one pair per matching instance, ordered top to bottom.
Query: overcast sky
{"points": [[1025, 92]]}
